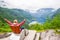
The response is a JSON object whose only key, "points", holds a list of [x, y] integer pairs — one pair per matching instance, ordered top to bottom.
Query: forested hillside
{"points": [[12, 14], [20, 14], [53, 23]]}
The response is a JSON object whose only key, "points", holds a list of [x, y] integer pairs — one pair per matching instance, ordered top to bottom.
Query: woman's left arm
{"points": [[21, 23]]}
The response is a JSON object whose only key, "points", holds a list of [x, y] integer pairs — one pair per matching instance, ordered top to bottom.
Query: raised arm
{"points": [[8, 21], [21, 23]]}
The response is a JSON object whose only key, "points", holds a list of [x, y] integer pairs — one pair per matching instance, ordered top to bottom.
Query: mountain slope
{"points": [[12, 14], [42, 14]]}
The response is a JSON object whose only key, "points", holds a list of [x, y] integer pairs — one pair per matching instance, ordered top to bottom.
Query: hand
{"points": [[5, 19]]}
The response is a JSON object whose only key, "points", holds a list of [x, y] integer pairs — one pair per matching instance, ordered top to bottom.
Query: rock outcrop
{"points": [[33, 35]]}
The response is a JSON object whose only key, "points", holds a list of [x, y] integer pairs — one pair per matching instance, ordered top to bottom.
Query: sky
{"points": [[32, 4]]}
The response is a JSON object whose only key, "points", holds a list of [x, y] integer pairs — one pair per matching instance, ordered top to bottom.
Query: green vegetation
{"points": [[12, 14], [49, 24], [36, 26]]}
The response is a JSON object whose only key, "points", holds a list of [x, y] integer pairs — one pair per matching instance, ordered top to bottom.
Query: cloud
{"points": [[33, 4]]}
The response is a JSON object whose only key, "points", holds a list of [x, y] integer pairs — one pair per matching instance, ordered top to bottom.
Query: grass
{"points": [[8, 29], [4, 30], [57, 31]]}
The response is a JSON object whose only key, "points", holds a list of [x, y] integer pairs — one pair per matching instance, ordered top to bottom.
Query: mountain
{"points": [[57, 13], [12, 14], [15, 14], [42, 14]]}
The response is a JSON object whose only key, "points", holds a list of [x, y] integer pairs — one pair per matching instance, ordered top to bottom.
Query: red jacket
{"points": [[15, 27]]}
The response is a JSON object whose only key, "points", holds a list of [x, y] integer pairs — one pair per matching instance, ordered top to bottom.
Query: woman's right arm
{"points": [[8, 21]]}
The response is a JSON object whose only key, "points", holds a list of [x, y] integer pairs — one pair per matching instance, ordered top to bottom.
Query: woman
{"points": [[15, 26]]}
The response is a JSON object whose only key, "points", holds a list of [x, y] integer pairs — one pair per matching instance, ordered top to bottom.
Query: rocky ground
{"points": [[33, 35], [49, 35]]}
